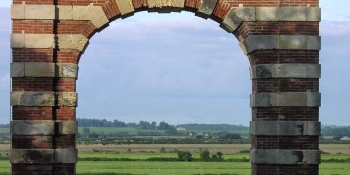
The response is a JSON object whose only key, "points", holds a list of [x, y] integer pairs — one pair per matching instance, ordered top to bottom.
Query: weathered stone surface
{"points": [[125, 6], [165, 6], [206, 8], [17, 12], [39, 12], [64, 12], [93, 13], [267, 13], [292, 14], [313, 14], [236, 16], [17, 40], [39, 41], [66, 41], [260, 42], [292, 42], [313, 42], [34, 69], [17, 70], [67, 70], [285, 71], [292, 71], [32, 98], [67, 99], [263, 99], [291, 99], [311, 99], [29, 127], [43, 127], [67, 127], [285, 128], [66, 155], [29, 156], [43, 156], [286, 157]]}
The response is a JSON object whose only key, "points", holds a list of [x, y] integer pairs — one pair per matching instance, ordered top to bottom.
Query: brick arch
{"points": [[279, 37]]}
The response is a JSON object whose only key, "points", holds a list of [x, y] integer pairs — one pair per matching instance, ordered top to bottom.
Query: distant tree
{"points": [[145, 125], [153, 125], [86, 131], [93, 135], [231, 136], [184, 156], [205, 156]]}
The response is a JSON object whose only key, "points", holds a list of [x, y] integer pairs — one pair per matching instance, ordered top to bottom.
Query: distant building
{"points": [[180, 129], [345, 138]]}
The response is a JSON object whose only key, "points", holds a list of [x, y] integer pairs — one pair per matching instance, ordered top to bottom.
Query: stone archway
{"points": [[280, 38]]}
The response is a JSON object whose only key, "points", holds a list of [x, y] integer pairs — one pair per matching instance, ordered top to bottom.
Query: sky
{"points": [[180, 68]]}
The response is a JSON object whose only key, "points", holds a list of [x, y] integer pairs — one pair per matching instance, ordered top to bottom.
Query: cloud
{"points": [[335, 28]]}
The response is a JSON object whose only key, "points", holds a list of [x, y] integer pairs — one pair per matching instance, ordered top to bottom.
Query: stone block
{"points": [[180, 4], [125, 6], [206, 8], [17, 12], [40, 12], [64, 12], [93, 13], [267, 13], [292, 13], [313, 14], [236, 16], [17, 40], [39, 41], [66, 41], [260, 42], [298, 42], [313, 42], [34, 69], [17, 70], [67, 70], [292, 70], [314, 70], [262, 71], [22, 98], [69, 99], [263, 99], [291, 99], [313, 99], [28, 127], [68, 127], [285, 128], [290, 128], [312, 128], [66, 155], [32, 156], [263, 156], [285, 157], [289, 157], [312, 157]]}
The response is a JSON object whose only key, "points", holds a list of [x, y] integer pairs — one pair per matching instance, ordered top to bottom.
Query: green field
{"points": [[176, 168]]}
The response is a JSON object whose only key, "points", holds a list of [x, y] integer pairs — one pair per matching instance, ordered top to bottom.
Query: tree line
{"points": [[145, 125]]}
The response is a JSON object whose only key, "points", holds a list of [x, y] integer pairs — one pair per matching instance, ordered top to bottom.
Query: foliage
{"points": [[184, 156], [205, 156]]}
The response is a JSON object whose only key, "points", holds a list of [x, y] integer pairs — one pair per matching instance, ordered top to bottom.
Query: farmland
{"points": [[340, 153]]}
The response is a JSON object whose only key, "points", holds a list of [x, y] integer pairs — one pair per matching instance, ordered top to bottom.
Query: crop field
{"points": [[340, 155]]}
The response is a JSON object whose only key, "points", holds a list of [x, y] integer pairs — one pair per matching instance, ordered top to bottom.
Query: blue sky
{"points": [[183, 69]]}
